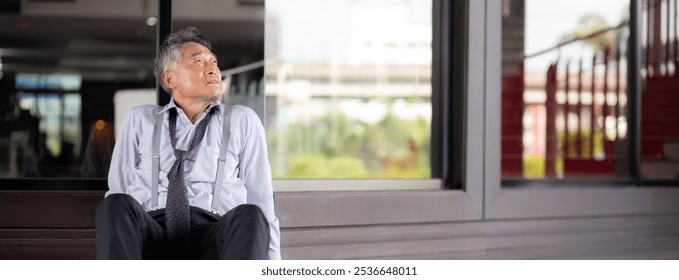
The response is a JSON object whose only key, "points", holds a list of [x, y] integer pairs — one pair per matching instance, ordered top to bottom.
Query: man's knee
{"points": [[114, 201], [116, 206], [249, 210], [244, 214], [122, 229], [244, 231]]}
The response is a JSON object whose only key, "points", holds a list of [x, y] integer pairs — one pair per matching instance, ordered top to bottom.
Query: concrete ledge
{"points": [[60, 225]]}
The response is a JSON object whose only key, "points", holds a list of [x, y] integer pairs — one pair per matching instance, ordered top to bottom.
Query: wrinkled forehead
{"points": [[193, 49]]}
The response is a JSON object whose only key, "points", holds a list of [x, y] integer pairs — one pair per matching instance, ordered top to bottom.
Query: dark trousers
{"points": [[126, 231]]}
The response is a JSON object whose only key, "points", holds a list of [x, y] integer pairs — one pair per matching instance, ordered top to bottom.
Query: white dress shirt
{"points": [[247, 178]]}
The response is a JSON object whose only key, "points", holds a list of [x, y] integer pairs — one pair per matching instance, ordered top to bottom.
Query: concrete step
{"points": [[671, 149], [660, 169]]}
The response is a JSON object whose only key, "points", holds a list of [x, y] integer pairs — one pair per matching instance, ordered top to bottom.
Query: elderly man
{"points": [[190, 180]]}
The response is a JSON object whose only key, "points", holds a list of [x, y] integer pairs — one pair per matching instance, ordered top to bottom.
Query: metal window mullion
{"points": [[163, 29], [634, 89]]}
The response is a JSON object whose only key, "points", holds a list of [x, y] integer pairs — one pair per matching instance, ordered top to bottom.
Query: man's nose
{"points": [[213, 70]]}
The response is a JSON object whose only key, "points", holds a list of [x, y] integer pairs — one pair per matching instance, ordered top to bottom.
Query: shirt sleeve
{"points": [[125, 155], [255, 172]]}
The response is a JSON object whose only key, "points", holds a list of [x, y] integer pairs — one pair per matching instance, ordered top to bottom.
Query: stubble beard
{"points": [[212, 98]]}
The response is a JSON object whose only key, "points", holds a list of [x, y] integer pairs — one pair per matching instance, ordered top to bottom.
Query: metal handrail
{"points": [[591, 35], [243, 69]]}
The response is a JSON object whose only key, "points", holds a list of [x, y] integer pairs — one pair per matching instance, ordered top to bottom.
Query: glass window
{"points": [[61, 64], [348, 88], [660, 91], [564, 96]]}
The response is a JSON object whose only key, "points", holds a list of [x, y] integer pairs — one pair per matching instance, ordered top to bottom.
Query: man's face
{"points": [[196, 74]]}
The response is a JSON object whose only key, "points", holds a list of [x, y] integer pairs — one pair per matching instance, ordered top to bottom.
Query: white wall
{"points": [[124, 100]]}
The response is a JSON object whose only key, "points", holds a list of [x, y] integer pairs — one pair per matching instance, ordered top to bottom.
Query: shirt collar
{"points": [[171, 105]]}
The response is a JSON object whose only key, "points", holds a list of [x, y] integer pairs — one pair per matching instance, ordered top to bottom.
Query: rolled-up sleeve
{"points": [[255, 172]]}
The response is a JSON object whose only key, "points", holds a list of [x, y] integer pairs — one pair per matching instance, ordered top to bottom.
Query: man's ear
{"points": [[168, 79]]}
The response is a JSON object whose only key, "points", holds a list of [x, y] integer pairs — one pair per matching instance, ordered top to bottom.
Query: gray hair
{"points": [[169, 52]]}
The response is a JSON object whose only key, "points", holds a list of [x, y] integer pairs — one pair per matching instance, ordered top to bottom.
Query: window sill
{"points": [[338, 185]]}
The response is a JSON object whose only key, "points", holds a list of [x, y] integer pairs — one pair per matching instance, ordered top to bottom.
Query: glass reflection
{"points": [[564, 95]]}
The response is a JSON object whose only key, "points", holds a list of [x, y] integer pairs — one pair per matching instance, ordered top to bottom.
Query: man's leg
{"points": [[124, 229], [241, 234]]}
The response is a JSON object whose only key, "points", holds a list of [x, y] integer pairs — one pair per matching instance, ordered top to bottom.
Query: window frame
{"points": [[445, 140]]}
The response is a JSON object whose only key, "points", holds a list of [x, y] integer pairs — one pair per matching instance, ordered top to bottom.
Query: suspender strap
{"points": [[155, 159], [221, 164]]}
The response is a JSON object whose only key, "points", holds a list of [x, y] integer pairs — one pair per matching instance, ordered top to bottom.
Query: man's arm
{"points": [[125, 154], [255, 172]]}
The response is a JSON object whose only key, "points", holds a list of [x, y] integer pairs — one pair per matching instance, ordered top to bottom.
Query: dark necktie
{"points": [[177, 220]]}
